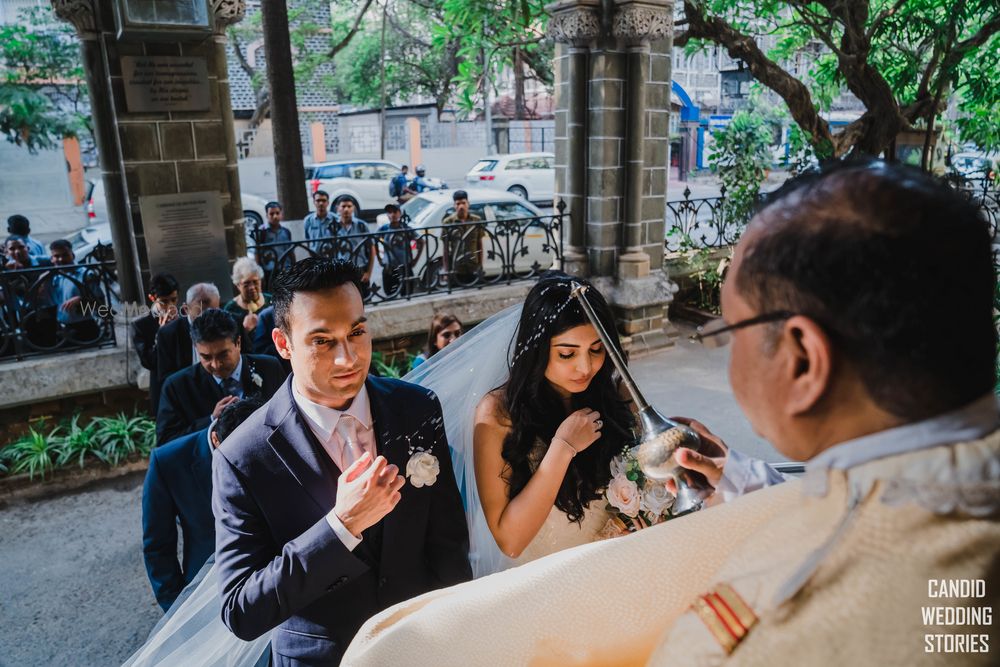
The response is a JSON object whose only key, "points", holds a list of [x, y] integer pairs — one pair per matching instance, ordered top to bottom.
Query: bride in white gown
{"points": [[541, 474]]}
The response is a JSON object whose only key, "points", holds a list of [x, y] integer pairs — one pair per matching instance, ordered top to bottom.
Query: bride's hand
{"points": [[581, 429]]}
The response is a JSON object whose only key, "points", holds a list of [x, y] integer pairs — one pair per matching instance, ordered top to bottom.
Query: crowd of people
{"points": [[335, 231], [52, 299], [208, 364], [345, 494]]}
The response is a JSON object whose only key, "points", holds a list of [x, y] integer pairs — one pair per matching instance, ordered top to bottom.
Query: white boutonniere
{"points": [[257, 379], [422, 469]]}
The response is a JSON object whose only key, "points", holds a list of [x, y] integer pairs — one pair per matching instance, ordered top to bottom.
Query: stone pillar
{"points": [[154, 153], [611, 168]]}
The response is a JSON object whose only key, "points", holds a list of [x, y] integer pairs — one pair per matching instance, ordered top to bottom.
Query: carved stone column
{"points": [[227, 13], [82, 15], [574, 25], [160, 151], [615, 160]]}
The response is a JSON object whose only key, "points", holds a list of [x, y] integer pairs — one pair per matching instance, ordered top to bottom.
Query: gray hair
{"points": [[244, 267], [202, 288]]}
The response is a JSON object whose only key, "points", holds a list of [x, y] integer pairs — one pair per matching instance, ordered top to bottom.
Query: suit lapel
{"points": [[292, 442], [391, 443]]}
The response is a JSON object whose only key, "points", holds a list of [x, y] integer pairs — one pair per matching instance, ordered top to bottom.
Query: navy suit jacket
{"points": [[173, 351], [189, 396], [178, 488], [281, 566]]}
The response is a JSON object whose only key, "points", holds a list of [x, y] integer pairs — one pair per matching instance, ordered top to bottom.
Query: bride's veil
{"points": [[461, 375], [192, 632]]}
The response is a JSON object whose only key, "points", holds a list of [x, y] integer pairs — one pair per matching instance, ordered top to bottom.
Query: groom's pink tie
{"points": [[351, 447]]}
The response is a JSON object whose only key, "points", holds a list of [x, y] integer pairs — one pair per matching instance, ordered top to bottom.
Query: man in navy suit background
{"points": [[174, 349], [193, 397], [178, 489], [316, 530]]}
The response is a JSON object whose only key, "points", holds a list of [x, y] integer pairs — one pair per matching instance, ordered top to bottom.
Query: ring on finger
{"points": [[598, 423]]}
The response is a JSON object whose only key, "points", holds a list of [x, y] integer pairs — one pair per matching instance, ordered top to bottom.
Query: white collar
{"points": [[322, 419], [970, 422]]}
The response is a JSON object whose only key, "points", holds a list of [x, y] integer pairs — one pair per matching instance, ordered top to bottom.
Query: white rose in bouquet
{"points": [[623, 494], [655, 500]]}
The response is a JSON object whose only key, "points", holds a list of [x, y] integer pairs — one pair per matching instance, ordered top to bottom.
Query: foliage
{"points": [[903, 60], [43, 97], [801, 154], [741, 158], [701, 273], [396, 367], [121, 436], [111, 440], [79, 443], [34, 453]]}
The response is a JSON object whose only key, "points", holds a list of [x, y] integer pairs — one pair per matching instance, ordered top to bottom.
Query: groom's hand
{"points": [[710, 462], [366, 492]]}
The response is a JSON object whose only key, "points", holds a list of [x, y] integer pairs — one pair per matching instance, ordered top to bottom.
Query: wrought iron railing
{"points": [[702, 222], [705, 222], [418, 261], [44, 310]]}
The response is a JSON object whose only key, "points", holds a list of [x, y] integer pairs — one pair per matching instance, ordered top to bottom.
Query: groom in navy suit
{"points": [[316, 527]]}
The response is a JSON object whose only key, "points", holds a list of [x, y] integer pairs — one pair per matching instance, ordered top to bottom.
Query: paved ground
{"points": [[73, 582], [74, 591]]}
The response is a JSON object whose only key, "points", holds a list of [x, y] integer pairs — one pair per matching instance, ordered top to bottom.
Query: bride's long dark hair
{"points": [[534, 408]]}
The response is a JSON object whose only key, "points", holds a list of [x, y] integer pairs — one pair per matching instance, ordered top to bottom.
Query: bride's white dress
{"points": [[460, 375], [558, 532]]}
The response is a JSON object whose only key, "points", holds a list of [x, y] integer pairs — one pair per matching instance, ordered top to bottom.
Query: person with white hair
{"points": [[250, 299], [174, 348]]}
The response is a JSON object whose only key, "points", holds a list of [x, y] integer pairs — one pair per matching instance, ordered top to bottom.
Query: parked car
{"points": [[530, 176], [364, 181], [428, 209], [98, 230]]}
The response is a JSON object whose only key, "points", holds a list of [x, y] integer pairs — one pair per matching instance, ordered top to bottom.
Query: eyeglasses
{"points": [[715, 333]]}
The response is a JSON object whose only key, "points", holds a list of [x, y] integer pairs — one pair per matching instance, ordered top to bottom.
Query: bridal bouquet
{"points": [[635, 501]]}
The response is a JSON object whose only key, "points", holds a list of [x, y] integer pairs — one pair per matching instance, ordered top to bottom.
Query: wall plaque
{"points": [[165, 83], [185, 236]]}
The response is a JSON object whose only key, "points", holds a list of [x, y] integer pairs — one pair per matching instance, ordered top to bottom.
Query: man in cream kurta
{"points": [[842, 357]]}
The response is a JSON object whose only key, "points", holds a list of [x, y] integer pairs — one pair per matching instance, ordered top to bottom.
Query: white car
{"points": [[531, 176], [364, 181], [428, 209]]}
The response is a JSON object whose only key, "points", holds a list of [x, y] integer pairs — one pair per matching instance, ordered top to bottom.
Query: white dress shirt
{"points": [[322, 421], [743, 474]]}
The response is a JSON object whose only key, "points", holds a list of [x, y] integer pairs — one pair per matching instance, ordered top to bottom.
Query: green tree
{"points": [[904, 59], [43, 94], [741, 156]]}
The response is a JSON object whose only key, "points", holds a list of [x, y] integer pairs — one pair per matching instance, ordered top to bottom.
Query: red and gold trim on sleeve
{"points": [[726, 615]]}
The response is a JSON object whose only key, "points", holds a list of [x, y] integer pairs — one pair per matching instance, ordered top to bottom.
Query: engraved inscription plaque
{"points": [[165, 83], [185, 236]]}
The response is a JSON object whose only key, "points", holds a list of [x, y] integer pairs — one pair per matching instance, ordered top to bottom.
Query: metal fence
{"points": [[705, 222], [407, 262], [45, 310]]}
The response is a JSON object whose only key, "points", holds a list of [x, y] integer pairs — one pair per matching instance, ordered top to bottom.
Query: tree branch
{"points": [[883, 17], [350, 35], [241, 57], [792, 91]]}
